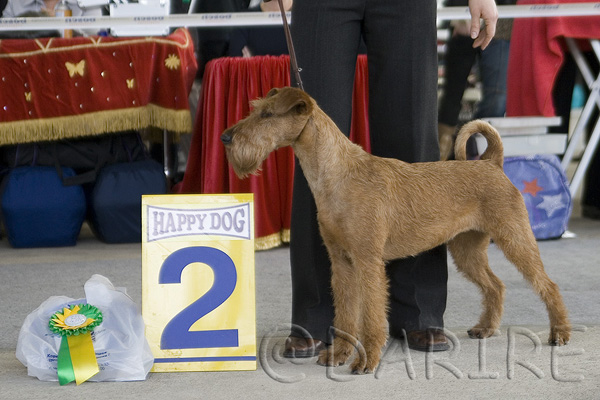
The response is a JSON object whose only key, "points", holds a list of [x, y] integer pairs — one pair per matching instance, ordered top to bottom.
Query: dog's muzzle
{"points": [[227, 137]]}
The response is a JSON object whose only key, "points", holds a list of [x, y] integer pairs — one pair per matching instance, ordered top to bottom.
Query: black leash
{"points": [[290, 45]]}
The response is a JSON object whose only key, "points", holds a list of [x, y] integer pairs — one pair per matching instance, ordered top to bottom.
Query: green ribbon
{"points": [[66, 374]]}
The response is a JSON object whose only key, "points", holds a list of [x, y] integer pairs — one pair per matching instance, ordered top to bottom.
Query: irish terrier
{"points": [[373, 209]]}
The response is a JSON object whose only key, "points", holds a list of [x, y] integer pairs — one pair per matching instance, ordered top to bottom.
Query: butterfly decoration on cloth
{"points": [[75, 68]]}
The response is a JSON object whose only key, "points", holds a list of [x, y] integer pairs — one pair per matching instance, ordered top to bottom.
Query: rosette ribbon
{"points": [[76, 356]]}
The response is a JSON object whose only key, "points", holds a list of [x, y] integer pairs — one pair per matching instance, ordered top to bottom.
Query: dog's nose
{"points": [[227, 137]]}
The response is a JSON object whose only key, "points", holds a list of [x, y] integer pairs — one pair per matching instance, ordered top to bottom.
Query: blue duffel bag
{"points": [[545, 189], [115, 201], [38, 210]]}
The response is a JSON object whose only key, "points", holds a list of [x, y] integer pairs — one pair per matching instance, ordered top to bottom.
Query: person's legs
{"points": [[326, 36], [402, 57], [458, 62], [493, 66], [562, 94], [403, 114]]}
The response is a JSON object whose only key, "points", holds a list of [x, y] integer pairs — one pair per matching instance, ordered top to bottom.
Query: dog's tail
{"points": [[494, 150]]}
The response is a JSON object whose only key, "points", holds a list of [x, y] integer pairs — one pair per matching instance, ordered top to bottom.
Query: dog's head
{"points": [[277, 120]]}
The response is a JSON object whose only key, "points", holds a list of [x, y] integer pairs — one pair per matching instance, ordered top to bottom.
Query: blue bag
{"points": [[545, 189], [115, 201], [38, 210]]}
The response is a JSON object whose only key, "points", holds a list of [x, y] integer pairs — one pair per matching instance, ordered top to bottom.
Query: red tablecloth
{"points": [[537, 51], [229, 84], [57, 88]]}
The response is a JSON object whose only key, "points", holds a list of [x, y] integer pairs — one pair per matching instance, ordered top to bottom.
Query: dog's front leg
{"points": [[360, 298], [346, 301], [374, 301]]}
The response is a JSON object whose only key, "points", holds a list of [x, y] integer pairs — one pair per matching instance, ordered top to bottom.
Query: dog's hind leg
{"points": [[521, 249], [469, 251]]}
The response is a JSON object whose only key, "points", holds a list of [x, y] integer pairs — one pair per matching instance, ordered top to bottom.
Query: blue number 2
{"points": [[177, 334]]}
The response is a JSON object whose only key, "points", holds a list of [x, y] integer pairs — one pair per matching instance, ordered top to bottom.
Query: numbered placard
{"points": [[198, 293]]}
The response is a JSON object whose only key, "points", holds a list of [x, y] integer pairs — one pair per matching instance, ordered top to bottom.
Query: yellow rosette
{"points": [[76, 357]]}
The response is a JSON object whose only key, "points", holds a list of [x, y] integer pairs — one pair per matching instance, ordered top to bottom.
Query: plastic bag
{"points": [[121, 348]]}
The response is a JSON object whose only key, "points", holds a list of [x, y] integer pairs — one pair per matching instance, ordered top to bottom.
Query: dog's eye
{"points": [[266, 114]]}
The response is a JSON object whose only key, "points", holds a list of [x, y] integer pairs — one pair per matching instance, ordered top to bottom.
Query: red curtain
{"points": [[229, 85]]}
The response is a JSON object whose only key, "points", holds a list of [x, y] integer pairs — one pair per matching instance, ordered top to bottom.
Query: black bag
{"points": [[85, 156], [115, 201]]}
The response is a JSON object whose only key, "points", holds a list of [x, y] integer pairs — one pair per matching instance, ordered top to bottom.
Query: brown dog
{"points": [[373, 209]]}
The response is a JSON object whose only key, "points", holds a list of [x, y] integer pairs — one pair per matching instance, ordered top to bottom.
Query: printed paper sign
{"points": [[198, 299]]}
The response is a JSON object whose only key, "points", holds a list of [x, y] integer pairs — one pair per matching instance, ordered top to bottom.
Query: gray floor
{"points": [[512, 368]]}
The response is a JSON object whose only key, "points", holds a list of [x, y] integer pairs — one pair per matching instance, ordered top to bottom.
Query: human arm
{"points": [[486, 10]]}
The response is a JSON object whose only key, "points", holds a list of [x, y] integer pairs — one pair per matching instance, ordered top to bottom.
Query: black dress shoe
{"points": [[428, 340], [296, 347]]}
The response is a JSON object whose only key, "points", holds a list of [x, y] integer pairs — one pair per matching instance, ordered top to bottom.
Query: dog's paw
{"points": [[481, 333], [559, 336], [336, 354], [328, 358], [361, 366], [361, 371]]}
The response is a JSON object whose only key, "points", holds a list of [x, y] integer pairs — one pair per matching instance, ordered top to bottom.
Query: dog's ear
{"points": [[272, 92], [292, 99]]}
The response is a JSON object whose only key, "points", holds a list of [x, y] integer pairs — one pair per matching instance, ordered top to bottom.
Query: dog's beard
{"points": [[244, 162]]}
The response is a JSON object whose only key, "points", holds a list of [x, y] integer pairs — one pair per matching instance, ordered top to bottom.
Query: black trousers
{"points": [[460, 58], [402, 59]]}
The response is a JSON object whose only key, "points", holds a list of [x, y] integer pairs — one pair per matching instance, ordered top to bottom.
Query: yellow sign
{"points": [[198, 296]]}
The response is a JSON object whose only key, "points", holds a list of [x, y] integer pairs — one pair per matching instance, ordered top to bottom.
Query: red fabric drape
{"points": [[537, 51], [90, 74], [229, 84], [53, 88]]}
